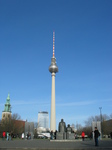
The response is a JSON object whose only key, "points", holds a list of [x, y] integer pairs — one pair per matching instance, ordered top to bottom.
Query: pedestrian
{"points": [[55, 134], [3, 135], [27, 135], [51, 135], [74, 135], [83, 135], [91, 135], [96, 135], [111, 135], [7, 136], [10, 136], [22, 136]]}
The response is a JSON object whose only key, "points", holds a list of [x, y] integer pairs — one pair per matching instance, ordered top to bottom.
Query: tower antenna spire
{"points": [[53, 43]]}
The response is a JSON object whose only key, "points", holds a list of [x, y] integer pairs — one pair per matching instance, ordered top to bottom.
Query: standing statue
{"points": [[62, 126]]}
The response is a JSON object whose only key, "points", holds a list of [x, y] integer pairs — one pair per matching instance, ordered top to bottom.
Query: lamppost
{"points": [[101, 121]]}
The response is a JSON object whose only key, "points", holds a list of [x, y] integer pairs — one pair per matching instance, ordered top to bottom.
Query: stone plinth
{"points": [[61, 135], [70, 136]]}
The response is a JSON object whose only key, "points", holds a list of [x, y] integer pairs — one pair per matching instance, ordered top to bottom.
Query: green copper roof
{"points": [[8, 97], [7, 105]]}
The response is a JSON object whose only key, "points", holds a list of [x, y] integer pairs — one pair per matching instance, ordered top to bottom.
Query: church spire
{"points": [[8, 98], [7, 105], [6, 114]]}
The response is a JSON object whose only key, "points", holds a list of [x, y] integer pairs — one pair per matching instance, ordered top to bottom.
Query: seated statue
{"points": [[69, 129]]}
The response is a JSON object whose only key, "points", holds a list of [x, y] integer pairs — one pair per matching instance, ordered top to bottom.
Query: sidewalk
{"points": [[54, 145]]}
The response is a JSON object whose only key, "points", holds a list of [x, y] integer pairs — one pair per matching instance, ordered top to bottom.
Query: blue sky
{"points": [[83, 51]]}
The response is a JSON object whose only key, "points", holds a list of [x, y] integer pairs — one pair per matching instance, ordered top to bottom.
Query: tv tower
{"points": [[53, 69]]}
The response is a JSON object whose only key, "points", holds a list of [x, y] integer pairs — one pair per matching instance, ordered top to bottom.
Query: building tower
{"points": [[53, 69], [7, 110], [43, 119]]}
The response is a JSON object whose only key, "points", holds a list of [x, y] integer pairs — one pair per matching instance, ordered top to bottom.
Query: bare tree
{"points": [[111, 115], [16, 116], [105, 117], [88, 122], [106, 123], [13, 124]]}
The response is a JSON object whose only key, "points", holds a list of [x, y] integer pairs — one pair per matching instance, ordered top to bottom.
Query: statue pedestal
{"points": [[61, 135], [70, 136]]}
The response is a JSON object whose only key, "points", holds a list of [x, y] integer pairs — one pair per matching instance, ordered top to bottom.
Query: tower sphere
{"points": [[53, 68]]}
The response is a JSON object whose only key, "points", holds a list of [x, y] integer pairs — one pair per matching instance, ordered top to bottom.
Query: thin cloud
{"points": [[106, 100], [36, 102], [28, 103], [82, 103], [76, 117]]}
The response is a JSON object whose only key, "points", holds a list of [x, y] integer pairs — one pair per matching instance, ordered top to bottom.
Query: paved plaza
{"points": [[54, 145]]}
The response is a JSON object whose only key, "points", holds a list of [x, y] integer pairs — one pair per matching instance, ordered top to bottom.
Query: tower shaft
{"points": [[53, 68], [53, 113]]}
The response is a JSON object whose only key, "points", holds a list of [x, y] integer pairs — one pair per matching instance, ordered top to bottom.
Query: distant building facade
{"points": [[6, 114], [43, 119], [29, 129]]}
